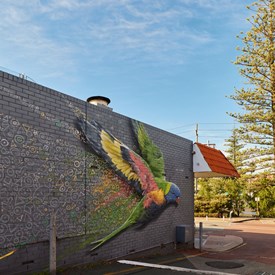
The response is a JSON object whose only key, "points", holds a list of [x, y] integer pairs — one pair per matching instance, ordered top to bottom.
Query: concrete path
{"points": [[217, 243]]}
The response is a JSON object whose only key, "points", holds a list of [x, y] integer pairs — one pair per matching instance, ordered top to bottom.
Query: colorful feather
{"points": [[154, 192]]}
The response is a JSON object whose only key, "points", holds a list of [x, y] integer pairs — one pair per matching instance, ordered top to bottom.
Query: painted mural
{"points": [[38, 173], [144, 176], [97, 191]]}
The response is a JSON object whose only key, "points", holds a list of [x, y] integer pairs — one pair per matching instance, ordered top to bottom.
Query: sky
{"points": [[167, 63]]}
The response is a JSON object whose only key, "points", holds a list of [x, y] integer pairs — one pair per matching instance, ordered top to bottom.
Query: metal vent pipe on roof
{"points": [[99, 100]]}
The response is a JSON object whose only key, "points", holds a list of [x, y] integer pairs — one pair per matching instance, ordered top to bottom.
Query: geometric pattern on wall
{"points": [[39, 173]]}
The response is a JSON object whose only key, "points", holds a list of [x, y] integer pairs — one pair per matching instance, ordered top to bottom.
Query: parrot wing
{"points": [[148, 150], [127, 164], [146, 203], [112, 206]]}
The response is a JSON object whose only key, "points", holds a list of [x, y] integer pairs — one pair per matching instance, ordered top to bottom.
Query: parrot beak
{"points": [[177, 200]]}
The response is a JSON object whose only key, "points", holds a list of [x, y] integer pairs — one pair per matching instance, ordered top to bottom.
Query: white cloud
{"points": [[150, 30], [58, 33], [25, 42]]}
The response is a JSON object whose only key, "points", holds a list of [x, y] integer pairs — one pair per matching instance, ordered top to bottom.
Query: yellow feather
{"points": [[112, 148], [167, 189], [157, 196]]}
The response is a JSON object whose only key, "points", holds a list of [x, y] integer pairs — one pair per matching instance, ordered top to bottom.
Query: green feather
{"points": [[149, 151], [154, 159], [163, 184], [133, 218]]}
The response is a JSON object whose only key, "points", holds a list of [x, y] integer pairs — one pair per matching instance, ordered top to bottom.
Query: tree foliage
{"points": [[257, 65], [251, 148], [235, 153], [262, 188], [219, 196]]}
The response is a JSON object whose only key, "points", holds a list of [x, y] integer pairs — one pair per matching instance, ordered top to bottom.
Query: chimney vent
{"points": [[99, 100]]}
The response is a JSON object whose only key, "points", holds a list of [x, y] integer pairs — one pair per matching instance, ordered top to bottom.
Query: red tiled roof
{"points": [[217, 161]]}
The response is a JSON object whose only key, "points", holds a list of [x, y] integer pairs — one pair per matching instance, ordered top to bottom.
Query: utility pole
{"points": [[197, 132], [197, 140]]}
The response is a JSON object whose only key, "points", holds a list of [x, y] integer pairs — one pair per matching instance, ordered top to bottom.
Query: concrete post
{"points": [[53, 243]]}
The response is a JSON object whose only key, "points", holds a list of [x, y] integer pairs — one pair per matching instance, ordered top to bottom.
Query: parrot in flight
{"points": [[143, 172]]}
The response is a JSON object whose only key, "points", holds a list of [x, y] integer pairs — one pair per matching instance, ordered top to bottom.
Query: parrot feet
{"points": [[98, 243]]}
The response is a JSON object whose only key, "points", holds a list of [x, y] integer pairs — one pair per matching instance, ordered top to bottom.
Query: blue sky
{"points": [[167, 63]]}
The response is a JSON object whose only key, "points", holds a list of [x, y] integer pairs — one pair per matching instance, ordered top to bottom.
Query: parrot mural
{"points": [[142, 173]]}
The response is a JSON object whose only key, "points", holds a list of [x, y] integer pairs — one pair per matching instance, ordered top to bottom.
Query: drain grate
{"points": [[224, 265]]}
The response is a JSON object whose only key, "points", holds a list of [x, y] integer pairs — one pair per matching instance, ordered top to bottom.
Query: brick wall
{"points": [[44, 166]]}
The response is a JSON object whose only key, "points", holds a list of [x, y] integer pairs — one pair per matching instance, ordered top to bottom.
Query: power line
{"points": [[204, 123], [219, 123], [187, 125], [215, 130], [182, 132], [214, 136]]}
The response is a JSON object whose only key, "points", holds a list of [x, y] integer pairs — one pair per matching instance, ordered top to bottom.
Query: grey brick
{"points": [[176, 150]]}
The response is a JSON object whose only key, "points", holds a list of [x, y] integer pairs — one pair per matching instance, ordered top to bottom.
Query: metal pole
{"points": [[197, 132], [200, 236], [53, 243]]}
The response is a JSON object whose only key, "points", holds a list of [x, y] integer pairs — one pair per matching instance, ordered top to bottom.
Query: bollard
{"points": [[230, 214], [200, 236]]}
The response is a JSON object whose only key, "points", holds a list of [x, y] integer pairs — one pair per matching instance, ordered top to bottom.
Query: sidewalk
{"points": [[213, 242]]}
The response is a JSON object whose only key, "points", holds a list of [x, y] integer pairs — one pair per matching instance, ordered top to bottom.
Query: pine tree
{"points": [[257, 99], [234, 150], [240, 156], [235, 188]]}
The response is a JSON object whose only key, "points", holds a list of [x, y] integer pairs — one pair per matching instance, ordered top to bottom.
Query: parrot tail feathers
{"points": [[133, 218], [100, 242]]}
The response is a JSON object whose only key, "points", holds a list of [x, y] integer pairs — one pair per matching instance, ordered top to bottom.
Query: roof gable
{"points": [[209, 162]]}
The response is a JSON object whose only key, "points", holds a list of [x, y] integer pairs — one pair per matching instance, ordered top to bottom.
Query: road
{"points": [[258, 236], [256, 254]]}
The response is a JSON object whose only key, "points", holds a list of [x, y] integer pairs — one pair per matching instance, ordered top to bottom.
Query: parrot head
{"points": [[173, 194]]}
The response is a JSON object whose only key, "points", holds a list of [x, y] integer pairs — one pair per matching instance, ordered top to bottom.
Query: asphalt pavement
{"points": [[227, 248]]}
